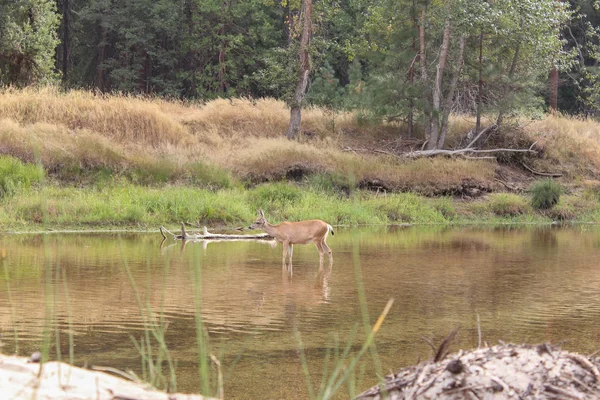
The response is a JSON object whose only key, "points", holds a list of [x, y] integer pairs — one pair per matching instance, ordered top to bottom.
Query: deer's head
{"points": [[260, 221]]}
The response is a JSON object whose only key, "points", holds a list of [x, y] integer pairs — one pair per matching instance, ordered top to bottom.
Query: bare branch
{"points": [[491, 127], [552, 175]]}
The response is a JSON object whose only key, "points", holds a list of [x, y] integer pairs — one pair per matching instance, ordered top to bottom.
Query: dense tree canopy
{"points": [[411, 61]]}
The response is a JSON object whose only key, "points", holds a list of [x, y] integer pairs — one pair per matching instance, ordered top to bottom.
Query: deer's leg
{"points": [[320, 249], [327, 250], [291, 251], [285, 252]]}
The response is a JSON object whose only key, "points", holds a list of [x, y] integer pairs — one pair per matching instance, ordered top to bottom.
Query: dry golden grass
{"points": [[122, 118], [239, 135], [570, 144], [57, 146]]}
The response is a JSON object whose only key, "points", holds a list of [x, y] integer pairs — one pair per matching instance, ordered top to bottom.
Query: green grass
{"points": [[16, 175], [508, 204], [130, 206]]}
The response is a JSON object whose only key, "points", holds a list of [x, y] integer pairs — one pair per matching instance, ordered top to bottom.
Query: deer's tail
{"points": [[330, 229]]}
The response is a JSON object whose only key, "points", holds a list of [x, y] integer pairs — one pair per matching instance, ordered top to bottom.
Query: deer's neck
{"points": [[271, 229]]}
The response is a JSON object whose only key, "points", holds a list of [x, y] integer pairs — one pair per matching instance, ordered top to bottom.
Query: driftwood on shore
{"points": [[206, 235], [505, 371], [21, 379]]}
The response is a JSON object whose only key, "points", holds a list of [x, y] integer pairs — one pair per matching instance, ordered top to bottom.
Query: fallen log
{"points": [[431, 153], [206, 235], [504, 371], [22, 379]]}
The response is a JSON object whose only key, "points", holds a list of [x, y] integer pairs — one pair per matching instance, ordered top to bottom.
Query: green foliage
{"points": [[28, 39], [326, 90], [15, 175], [545, 194]]}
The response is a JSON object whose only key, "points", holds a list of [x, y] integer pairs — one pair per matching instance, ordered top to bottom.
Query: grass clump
{"points": [[16, 175], [545, 194], [276, 195], [507, 204], [405, 208]]}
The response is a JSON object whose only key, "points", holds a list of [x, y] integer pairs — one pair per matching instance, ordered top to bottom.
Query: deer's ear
{"points": [[261, 213]]}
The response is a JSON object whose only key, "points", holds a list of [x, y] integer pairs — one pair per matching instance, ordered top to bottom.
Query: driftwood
{"points": [[460, 152], [432, 153], [549, 174], [206, 235], [504, 371], [21, 379]]}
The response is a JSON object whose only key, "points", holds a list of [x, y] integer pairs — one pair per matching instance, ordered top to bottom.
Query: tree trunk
{"points": [[66, 39], [64, 49], [101, 57], [303, 73], [511, 73], [424, 77], [479, 85], [437, 89], [553, 90], [450, 95], [411, 102]]}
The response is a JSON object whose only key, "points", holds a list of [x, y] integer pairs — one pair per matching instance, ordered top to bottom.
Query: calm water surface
{"points": [[528, 284]]}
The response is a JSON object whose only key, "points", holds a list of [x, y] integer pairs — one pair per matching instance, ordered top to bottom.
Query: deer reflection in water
{"points": [[302, 232]]}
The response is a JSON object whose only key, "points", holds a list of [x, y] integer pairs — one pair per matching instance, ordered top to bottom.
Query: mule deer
{"points": [[302, 232]]}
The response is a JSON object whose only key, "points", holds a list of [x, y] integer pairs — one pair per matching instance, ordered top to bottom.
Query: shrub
{"points": [[16, 175], [545, 194], [507, 204], [562, 212]]}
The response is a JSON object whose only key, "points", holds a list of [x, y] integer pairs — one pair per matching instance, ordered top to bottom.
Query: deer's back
{"points": [[302, 232]]}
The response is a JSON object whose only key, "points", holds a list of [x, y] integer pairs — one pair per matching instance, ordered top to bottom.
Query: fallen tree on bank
{"points": [[504, 371]]}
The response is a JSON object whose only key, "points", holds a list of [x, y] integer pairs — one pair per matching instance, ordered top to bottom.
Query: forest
{"points": [[410, 62]]}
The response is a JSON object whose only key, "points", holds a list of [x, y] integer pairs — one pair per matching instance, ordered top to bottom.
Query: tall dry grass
{"points": [[126, 119], [79, 131], [570, 144]]}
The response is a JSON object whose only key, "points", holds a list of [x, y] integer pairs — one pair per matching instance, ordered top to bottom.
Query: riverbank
{"points": [[78, 160], [135, 207]]}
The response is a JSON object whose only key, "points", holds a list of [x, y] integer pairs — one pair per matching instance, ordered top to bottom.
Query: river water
{"points": [[267, 325]]}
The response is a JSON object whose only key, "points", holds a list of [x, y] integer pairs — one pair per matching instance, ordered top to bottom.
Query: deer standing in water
{"points": [[302, 232]]}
